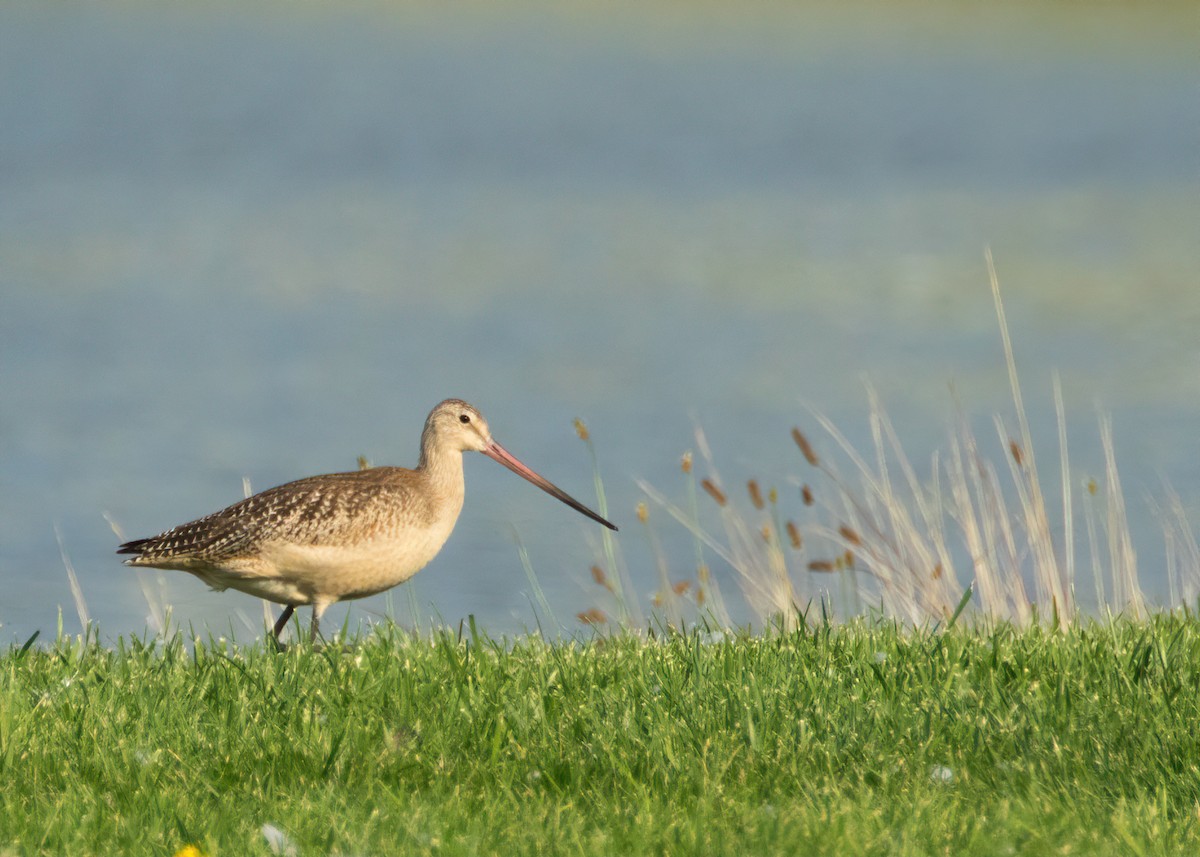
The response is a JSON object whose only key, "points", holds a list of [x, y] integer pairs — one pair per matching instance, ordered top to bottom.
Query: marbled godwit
{"points": [[342, 535]]}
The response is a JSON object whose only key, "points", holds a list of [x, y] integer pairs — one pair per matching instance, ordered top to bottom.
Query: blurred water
{"points": [[260, 243]]}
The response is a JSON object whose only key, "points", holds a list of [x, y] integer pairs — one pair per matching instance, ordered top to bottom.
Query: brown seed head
{"points": [[581, 429], [805, 447], [1015, 449], [685, 463], [363, 464], [1091, 487], [713, 491], [755, 494], [806, 495], [773, 496], [643, 514], [766, 533], [794, 535], [849, 535], [848, 559], [823, 565], [937, 572], [702, 573], [601, 578], [681, 587], [592, 616]]}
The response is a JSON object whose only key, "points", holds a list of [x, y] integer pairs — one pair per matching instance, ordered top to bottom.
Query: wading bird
{"points": [[339, 536]]}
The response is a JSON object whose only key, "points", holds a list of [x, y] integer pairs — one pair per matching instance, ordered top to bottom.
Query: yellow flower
{"points": [[189, 851]]}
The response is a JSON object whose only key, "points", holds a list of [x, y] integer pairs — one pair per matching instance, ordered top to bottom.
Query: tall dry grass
{"points": [[975, 533]]}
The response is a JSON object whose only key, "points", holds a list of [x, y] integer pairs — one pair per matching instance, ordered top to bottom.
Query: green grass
{"points": [[859, 739]]}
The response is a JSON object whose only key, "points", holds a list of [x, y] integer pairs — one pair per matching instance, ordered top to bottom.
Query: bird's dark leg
{"points": [[319, 606], [282, 623]]}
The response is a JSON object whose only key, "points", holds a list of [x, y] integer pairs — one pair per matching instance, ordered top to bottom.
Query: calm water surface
{"points": [[259, 244]]}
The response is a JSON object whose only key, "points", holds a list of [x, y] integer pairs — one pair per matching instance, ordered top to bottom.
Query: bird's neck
{"points": [[441, 466]]}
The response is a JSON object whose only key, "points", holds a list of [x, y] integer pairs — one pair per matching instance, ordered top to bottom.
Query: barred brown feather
{"points": [[331, 508]]}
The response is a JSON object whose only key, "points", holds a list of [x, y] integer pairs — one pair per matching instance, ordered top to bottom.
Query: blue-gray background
{"points": [[259, 241]]}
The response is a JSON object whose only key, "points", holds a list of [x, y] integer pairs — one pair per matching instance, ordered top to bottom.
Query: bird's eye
{"points": [[464, 418]]}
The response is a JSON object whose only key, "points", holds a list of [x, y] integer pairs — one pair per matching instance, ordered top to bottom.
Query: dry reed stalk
{"points": [[1060, 415], [1033, 505], [1090, 518], [978, 537], [892, 548], [1183, 553], [762, 569], [1000, 573], [709, 591], [1127, 595], [156, 596], [708, 597], [666, 598], [628, 605], [81, 607]]}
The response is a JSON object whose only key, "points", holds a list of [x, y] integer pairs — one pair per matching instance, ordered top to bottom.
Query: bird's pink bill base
{"points": [[496, 452]]}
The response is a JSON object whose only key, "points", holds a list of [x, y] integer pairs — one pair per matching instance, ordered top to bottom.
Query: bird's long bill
{"points": [[499, 453]]}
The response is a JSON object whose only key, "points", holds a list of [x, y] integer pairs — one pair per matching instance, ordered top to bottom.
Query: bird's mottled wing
{"points": [[308, 511]]}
